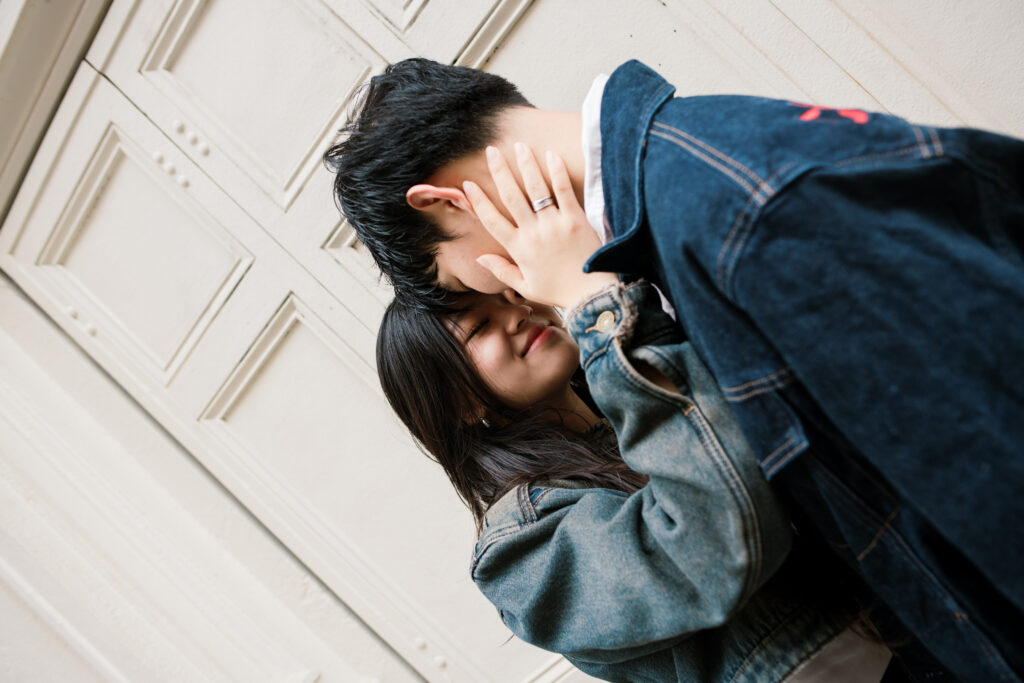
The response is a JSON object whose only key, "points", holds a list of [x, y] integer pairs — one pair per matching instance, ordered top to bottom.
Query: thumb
{"points": [[503, 269]]}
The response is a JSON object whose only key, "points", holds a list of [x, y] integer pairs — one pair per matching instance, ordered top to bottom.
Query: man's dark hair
{"points": [[412, 119]]}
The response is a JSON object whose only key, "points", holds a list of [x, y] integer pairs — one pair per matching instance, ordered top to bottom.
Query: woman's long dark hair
{"points": [[432, 386]]}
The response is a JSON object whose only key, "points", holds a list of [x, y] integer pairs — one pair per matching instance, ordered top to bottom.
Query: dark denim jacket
{"points": [[855, 284], [664, 584]]}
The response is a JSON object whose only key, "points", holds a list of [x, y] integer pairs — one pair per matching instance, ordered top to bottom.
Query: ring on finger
{"points": [[541, 203]]}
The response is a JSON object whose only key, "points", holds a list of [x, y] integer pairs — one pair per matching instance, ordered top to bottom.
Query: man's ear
{"points": [[431, 198]]}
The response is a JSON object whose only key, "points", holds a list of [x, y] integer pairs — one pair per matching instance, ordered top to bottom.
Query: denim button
{"points": [[605, 321]]}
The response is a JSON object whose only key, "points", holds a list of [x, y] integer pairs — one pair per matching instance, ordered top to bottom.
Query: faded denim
{"points": [[855, 283], [665, 584]]}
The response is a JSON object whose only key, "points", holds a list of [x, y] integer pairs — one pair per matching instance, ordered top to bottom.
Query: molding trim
{"points": [[487, 40]]}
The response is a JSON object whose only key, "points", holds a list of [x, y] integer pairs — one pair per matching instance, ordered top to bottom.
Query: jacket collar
{"points": [[632, 96]]}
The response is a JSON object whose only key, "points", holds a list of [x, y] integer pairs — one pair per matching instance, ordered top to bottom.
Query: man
{"points": [[855, 283]]}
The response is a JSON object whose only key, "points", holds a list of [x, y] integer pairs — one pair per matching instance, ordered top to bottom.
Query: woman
{"points": [[630, 528]]}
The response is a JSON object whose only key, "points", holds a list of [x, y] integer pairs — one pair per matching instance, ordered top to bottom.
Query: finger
{"points": [[533, 179], [560, 183], [508, 188], [489, 216], [503, 269]]}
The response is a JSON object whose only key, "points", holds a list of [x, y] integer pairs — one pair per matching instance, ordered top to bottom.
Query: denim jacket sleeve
{"points": [[603, 576]]}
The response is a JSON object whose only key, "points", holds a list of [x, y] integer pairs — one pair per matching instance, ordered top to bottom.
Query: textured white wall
{"points": [[950, 62]]}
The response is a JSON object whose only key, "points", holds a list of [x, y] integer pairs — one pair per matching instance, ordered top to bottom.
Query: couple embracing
{"points": [[774, 432]]}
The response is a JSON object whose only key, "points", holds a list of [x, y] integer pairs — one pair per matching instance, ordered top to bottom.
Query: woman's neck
{"points": [[574, 413]]}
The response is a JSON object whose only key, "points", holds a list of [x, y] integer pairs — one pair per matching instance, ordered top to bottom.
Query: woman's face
{"points": [[520, 350]]}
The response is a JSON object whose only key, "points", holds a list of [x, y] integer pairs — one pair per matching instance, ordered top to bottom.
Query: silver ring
{"points": [[539, 204]]}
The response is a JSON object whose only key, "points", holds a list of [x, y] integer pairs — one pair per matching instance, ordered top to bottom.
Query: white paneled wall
{"points": [[946, 62], [225, 495], [122, 559]]}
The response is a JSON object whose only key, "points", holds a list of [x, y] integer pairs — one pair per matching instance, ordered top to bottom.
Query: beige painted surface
{"points": [[196, 257]]}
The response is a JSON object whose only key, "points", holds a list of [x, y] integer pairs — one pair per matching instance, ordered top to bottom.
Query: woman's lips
{"points": [[536, 337]]}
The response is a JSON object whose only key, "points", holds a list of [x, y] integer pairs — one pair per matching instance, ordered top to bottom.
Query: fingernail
{"points": [[520, 150], [492, 153], [550, 157], [469, 187]]}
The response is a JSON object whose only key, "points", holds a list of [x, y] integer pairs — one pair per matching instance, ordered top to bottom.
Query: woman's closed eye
{"points": [[476, 328]]}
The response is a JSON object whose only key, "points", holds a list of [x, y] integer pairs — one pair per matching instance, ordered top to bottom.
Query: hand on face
{"points": [[548, 247]]}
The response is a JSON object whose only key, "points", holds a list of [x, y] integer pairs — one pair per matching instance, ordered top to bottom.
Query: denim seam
{"points": [[659, 96], [919, 135], [936, 143], [923, 149], [716, 152], [722, 168], [991, 172], [729, 254], [721, 268], [595, 356], [680, 371], [630, 374], [776, 380], [716, 453], [771, 461], [734, 482], [540, 496], [525, 506], [886, 524], [494, 537], [899, 544], [752, 655]]}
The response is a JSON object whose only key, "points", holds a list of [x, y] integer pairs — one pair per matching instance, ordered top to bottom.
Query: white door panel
{"points": [[253, 93], [254, 366]]}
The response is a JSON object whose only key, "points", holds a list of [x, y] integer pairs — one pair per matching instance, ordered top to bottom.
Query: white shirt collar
{"points": [[593, 191]]}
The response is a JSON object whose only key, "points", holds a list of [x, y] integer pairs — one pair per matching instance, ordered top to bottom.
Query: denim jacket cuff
{"points": [[628, 312]]}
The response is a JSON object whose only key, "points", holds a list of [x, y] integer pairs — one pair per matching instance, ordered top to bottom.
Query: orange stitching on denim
{"points": [[918, 134], [936, 143], [923, 149], [721, 155], [751, 189], [720, 266], [723, 271], [760, 380], [776, 380], [781, 447], [783, 459], [540, 497], [878, 534], [901, 546]]}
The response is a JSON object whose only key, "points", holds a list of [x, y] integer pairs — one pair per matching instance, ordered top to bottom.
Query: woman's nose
{"points": [[516, 316]]}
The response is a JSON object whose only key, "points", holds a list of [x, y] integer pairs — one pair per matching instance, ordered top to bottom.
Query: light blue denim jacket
{"points": [[663, 584]]}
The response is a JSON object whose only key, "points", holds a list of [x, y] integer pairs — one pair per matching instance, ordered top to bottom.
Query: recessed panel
{"points": [[400, 13], [271, 75], [344, 247], [153, 267], [299, 406]]}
